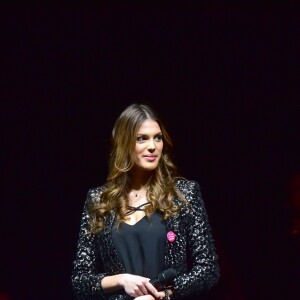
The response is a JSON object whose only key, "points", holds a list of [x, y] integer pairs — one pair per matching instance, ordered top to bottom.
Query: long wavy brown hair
{"points": [[162, 184]]}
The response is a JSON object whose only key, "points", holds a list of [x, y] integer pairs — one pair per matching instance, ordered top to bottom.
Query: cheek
{"points": [[161, 146], [138, 149]]}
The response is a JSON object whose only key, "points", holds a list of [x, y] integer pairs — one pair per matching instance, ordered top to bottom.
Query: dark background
{"points": [[224, 79]]}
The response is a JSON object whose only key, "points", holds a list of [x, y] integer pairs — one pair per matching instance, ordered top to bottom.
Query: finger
{"points": [[143, 287], [151, 289], [136, 293], [161, 295]]}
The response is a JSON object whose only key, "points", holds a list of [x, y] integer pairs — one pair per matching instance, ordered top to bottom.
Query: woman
{"points": [[143, 221]]}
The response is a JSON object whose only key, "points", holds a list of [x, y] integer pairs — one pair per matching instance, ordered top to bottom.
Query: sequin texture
{"points": [[192, 254]]}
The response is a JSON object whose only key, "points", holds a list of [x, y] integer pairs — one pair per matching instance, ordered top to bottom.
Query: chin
{"points": [[147, 168]]}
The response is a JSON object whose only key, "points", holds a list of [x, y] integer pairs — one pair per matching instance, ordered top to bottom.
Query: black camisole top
{"points": [[141, 247]]}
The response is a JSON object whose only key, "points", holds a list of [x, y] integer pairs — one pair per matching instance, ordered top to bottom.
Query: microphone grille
{"points": [[167, 275]]}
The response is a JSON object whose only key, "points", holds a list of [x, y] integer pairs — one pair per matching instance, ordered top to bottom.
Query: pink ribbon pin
{"points": [[171, 236]]}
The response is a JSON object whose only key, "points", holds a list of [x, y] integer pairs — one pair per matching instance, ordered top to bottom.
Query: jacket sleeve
{"points": [[204, 271], [87, 275]]}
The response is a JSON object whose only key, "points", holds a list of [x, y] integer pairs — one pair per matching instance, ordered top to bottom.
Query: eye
{"points": [[159, 137], [141, 138]]}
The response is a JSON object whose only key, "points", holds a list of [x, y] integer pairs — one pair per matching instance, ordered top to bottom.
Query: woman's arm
{"points": [[204, 272], [88, 278]]}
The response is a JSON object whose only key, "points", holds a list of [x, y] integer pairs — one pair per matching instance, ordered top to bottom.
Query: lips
{"points": [[150, 157]]}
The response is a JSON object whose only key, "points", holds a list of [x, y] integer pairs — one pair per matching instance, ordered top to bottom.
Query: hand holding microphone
{"points": [[163, 278], [158, 282]]}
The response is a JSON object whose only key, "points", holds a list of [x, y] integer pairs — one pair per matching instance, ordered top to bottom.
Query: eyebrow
{"points": [[160, 133]]}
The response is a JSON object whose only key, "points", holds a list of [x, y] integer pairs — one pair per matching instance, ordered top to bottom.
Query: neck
{"points": [[139, 179]]}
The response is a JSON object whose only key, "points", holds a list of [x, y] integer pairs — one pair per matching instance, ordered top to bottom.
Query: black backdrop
{"points": [[225, 80]]}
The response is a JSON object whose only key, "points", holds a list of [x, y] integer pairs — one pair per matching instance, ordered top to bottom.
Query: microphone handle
{"points": [[154, 282]]}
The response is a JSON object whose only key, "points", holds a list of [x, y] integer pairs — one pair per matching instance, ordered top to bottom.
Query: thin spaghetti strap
{"points": [[132, 209]]}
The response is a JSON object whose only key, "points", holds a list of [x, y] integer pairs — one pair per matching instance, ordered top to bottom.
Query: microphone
{"points": [[162, 278]]}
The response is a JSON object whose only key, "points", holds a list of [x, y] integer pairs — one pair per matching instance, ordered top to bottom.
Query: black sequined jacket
{"points": [[192, 254]]}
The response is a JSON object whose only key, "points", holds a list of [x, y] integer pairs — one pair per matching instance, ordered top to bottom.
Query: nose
{"points": [[151, 145]]}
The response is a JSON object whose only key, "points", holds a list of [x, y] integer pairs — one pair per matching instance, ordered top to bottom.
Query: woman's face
{"points": [[148, 147]]}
